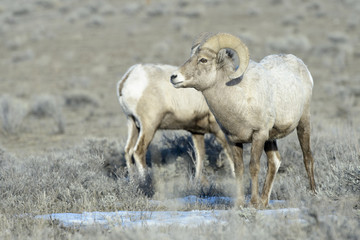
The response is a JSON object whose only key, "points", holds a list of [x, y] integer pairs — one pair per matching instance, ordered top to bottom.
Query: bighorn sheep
{"points": [[151, 102], [257, 103]]}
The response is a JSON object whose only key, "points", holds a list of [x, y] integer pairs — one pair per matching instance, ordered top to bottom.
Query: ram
{"points": [[150, 103], [255, 103]]}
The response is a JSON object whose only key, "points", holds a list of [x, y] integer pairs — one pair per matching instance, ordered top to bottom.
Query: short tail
{"points": [[121, 82]]}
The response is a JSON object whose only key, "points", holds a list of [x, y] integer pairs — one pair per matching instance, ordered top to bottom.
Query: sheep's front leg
{"points": [[303, 132], [221, 138], [199, 148], [256, 151], [273, 158], [238, 163]]}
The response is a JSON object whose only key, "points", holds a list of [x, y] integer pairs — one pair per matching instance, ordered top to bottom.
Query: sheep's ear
{"points": [[194, 49], [227, 53], [230, 53], [220, 57], [234, 57]]}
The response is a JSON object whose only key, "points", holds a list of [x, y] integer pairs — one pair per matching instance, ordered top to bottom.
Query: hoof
{"points": [[202, 180], [239, 203], [256, 203]]}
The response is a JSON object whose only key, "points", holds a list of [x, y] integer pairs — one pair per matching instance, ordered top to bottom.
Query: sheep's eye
{"points": [[203, 60]]}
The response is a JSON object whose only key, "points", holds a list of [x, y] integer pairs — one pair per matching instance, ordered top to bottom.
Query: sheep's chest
{"points": [[238, 134]]}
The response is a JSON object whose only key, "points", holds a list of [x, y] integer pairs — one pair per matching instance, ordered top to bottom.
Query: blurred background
{"points": [[60, 59]]}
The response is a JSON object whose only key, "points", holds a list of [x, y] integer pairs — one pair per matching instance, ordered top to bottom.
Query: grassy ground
{"points": [[62, 131], [87, 178]]}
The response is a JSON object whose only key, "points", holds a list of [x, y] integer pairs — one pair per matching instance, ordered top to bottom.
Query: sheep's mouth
{"points": [[176, 81], [176, 84]]}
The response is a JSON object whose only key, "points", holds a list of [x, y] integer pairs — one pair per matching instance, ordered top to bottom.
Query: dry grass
{"points": [[12, 114], [91, 177]]}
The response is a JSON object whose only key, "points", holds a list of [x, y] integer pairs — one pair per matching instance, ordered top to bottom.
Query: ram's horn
{"points": [[198, 40], [225, 40]]}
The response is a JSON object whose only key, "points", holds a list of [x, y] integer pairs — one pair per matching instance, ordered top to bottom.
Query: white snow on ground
{"points": [[135, 218], [155, 218], [162, 218]]}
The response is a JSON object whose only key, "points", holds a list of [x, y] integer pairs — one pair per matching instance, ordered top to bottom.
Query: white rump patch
{"points": [[122, 79], [136, 83], [134, 87]]}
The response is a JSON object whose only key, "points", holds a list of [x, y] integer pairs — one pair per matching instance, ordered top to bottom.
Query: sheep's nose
{"points": [[172, 78]]}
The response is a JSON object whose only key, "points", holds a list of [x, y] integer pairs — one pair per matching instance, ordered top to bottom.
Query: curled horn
{"points": [[198, 40], [225, 40]]}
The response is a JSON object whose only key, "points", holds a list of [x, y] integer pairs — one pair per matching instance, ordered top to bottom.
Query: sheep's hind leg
{"points": [[303, 132], [133, 133], [145, 136], [199, 148], [273, 159]]}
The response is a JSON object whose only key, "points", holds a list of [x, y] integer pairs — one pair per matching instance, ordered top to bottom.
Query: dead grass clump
{"points": [[157, 9], [297, 44], [77, 99], [48, 106], [12, 114], [110, 151], [2, 152], [340, 164], [71, 181]]}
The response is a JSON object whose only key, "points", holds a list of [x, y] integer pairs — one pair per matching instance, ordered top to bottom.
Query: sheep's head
{"points": [[208, 62]]}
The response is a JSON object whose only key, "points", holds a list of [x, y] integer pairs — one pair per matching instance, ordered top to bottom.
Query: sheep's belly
{"points": [[200, 125], [279, 132], [245, 135]]}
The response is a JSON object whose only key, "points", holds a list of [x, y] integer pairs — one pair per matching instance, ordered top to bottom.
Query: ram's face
{"points": [[198, 72]]}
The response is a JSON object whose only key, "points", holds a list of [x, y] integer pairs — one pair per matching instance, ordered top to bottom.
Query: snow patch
{"points": [[136, 218], [193, 218]]}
